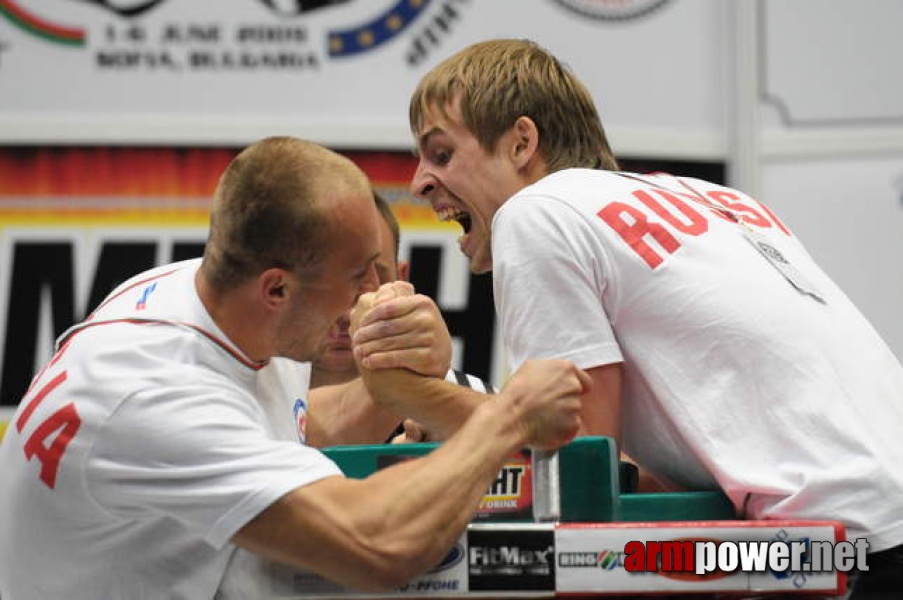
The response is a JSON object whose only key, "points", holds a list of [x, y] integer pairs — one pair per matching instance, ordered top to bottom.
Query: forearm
{"points": [[601, 404], [440, 406], [346, 414], [449, 483], [379, 532]]}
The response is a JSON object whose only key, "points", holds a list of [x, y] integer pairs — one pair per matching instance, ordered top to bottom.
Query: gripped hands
{"points": [[395, 327]]}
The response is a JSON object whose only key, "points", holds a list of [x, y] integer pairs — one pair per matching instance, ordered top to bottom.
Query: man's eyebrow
{"points": [[424, 138], [370, 261]]}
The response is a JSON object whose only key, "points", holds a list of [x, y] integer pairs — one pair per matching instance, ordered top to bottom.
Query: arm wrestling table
{"points": [[555, 525]]}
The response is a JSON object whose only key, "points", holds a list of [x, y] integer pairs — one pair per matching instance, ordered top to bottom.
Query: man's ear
{"points": [[525, 142], [404, 270], [273, 287]]}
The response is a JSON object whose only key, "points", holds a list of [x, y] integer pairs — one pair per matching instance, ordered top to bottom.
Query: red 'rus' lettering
{"points": [[696, 225], [634, 228]]}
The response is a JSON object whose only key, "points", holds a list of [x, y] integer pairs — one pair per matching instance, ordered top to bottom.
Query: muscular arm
{"points": [[381, 323], [407, 332], [439, 406], [346, 414], [379, 532]]}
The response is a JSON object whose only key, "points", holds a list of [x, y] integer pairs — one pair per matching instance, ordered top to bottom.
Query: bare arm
{"points": [[407, 332], [440, 406], [601, 410], [346, 414], [601, 414], [379, 532]]}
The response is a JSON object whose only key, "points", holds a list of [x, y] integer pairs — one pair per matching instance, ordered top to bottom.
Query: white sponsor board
{"points": [[589, 559], [609, 572]]}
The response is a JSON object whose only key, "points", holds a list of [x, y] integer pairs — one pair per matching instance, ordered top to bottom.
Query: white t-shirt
{"points": [[733, 377], [152, 441]]}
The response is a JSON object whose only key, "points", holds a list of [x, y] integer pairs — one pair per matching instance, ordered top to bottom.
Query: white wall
{"points": [[830, 142]]}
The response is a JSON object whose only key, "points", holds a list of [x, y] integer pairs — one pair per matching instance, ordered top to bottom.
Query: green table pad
{"points": [[595, 485]]}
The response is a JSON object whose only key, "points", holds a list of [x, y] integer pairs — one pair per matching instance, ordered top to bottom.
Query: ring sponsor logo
{"points": [[607, 560]]}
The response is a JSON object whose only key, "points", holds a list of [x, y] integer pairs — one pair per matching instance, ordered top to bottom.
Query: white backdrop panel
{"points": [[164, 76], [849, 215]]}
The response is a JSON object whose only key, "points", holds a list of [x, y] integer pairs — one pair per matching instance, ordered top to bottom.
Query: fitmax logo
{"points": [[509, 556]]}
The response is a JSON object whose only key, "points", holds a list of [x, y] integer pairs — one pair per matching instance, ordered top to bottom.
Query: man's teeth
{"points": [[448, 214]]}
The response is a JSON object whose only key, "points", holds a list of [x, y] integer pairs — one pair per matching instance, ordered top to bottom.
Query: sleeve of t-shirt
{"points": [[549, 277], [199, 453]]}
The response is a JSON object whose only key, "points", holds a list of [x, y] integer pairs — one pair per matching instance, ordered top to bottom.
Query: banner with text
{"points": [[336, 71]]}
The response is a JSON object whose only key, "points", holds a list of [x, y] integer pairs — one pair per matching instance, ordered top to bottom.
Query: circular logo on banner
{"points": [[296, 7], [612, 10], [454, 556]]}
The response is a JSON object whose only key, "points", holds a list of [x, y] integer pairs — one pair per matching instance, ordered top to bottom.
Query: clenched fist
{"points": [[545, 397]]}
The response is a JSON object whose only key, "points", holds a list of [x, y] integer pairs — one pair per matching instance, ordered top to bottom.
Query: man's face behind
{"points": [[333, 353]]}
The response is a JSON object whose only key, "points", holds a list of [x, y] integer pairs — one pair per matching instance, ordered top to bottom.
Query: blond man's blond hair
{"points": [[498, 81]]}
